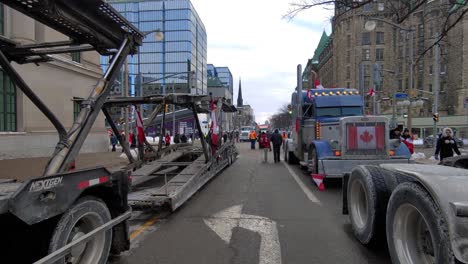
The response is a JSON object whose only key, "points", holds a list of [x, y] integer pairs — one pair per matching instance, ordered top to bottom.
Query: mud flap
{"points": [[345, 193]]}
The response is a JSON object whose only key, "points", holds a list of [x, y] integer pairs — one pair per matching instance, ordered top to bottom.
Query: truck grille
{"points": [[365, 138]]}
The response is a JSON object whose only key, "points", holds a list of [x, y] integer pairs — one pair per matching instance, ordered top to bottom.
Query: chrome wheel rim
{"points": [[358, 204], [414, 243], [91, 251]]}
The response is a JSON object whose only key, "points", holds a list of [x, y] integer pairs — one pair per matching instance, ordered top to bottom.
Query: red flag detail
{"points": [[140, 129], [380, 137], [352, 138], [318, 179]]}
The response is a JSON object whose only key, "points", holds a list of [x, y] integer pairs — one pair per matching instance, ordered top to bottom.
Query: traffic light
{"points": [[166, 108], [289, 109], [435, 117]]}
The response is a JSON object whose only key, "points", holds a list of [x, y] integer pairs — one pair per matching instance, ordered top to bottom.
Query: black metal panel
{"points": [[85, 21], [42, 198]]}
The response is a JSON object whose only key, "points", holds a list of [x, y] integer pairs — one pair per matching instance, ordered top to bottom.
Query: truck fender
{"points": [[323, 148]]}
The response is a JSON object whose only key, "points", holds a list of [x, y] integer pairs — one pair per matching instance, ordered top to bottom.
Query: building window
{"points": [[367, 7], [381, 7], [348, 24], [421, 30], [366, 38], [379, 38], [348, 40], [400, 51], [365, 54], [379, 54], [76, 56], [348, 56], [400, 67], [443, 68], [430, 69], [366, 70], [348, 72], [406, 84], [348, 85], [400, 85], [442, 86], [430, 87], [7, 103], [76, 107]]}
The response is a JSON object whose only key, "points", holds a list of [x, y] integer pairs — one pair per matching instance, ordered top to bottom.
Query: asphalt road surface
{"points": [[253, 212]]}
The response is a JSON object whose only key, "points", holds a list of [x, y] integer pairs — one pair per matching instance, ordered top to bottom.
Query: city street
{"points": [[252, 213]]}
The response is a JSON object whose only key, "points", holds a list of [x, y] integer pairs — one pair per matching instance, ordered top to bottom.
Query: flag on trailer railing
{"points": [[317, 84], [371, 92], [140, 128]]}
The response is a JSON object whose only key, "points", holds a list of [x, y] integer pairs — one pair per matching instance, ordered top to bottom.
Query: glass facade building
{"points": [[163, 65], [224, 74]]}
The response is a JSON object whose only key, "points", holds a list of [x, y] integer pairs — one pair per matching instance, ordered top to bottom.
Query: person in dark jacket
{"points": [[177, 138], [183, 138], [114, 141], [277, 141], [446, 145]]}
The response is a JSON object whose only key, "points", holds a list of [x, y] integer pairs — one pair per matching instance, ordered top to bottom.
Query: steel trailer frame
{"points": [[91, 25]]}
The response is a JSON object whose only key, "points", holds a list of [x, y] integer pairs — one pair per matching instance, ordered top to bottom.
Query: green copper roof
{"points": [[320, 47]]}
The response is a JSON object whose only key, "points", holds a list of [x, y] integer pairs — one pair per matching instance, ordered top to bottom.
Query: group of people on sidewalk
{"points": [[265, 142], [445, 144]]}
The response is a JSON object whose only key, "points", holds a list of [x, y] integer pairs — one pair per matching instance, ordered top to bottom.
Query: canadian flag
{"points": [[317, 84], [371, 92], [214, 122], [140, 129], [364, 137], [318, 179]]}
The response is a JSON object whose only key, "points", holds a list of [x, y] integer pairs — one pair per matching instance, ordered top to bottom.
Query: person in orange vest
{"points": [[284, 136], [253, 139]]}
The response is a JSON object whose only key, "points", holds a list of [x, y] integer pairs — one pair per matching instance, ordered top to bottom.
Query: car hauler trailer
{"points": [[330, 135], [420, 211], [81, 216]]}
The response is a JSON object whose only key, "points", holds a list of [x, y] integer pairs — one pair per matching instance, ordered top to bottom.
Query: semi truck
{"points": [[330, 135]]}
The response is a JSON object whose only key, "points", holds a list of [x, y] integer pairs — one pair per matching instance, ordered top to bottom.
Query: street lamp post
{"points": [[370, 26]]}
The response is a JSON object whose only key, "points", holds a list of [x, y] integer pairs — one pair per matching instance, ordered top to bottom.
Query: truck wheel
{"points": [[313, 159], [367, 204], [87, 214], [416, 230]]}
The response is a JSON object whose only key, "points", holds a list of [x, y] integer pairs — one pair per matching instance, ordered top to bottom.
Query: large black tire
{"points": [[314, 159], [367, 203], [85, 215], [416, 230]]}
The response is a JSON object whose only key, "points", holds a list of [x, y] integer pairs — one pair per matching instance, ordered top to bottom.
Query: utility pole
{"points": [[125, 81], [435, 85], [409, 124]]}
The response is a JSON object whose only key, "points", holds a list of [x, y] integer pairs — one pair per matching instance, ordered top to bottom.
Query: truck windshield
{"points": [[338, 111]]}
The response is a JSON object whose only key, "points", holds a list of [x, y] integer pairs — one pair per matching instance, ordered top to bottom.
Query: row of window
{"points": [[366, 38], [379, 54]]}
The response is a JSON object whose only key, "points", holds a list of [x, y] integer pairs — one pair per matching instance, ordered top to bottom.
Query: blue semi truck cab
{"points": [[331, 135]]}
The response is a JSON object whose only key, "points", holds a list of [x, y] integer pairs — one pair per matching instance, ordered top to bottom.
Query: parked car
{"points": [[429, 142]]}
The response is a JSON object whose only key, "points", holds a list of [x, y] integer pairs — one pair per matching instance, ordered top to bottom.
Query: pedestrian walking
{"points": [[237, 136], [284, 136], [225, 137], [177, 138], [183, 138], [167, 139], [253, 139], [407, 139], [113, 140], [277, 141], [264, 142], [446, 145]]}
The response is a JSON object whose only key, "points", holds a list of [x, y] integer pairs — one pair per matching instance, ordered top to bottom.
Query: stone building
{"points": [[355, 50], [24, 130]]}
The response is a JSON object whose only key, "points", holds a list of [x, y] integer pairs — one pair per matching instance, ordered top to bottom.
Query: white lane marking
{"points": [[304, 188], [223, 222]]}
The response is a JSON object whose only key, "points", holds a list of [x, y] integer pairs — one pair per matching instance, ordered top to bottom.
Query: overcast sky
{"points": [[259, 46]]}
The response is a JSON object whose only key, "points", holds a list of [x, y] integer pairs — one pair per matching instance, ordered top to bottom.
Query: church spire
{"points": [[240, 102]]}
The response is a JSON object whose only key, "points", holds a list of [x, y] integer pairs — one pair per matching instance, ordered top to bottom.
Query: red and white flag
{"points": [[317, 84], [371, 92], [214, 122], [140, 128], [363, 137], [318, 179]]}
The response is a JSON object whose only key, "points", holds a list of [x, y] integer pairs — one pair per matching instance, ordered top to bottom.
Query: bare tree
{"points": [[400, 10], [282, 119]]}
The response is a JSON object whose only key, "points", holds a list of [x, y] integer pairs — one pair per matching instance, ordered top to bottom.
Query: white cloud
{"points": [[258, 45]]}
